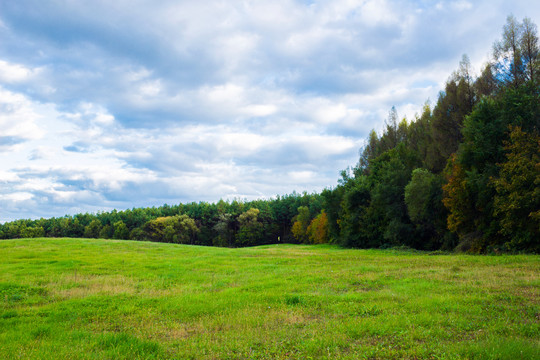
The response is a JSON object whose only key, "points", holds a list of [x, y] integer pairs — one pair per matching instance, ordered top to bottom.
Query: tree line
{"points": [[464, 174], [225, 223]]}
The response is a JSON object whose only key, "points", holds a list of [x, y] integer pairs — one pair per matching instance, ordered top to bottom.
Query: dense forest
{"points": [[463, 175]]}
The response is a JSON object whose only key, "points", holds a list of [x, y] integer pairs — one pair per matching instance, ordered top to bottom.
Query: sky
{"points": [[120, 104]]}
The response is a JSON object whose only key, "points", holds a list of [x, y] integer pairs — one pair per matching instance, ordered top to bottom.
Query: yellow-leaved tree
{"points": [[318, 229]]}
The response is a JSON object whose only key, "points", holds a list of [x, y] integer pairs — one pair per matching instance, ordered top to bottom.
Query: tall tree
{"points": [[530, 49], [507, 53], [486, 84], [456, 102], [392, 135], [369, 152], [470, 191], [423, 197], [517, 202], [300, 225], [92, 229], [251, 229], [318, 229], [120, 230], [225, 230]]}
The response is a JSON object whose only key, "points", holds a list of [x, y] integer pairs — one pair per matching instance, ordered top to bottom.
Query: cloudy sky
{"points": [[121, 104]]}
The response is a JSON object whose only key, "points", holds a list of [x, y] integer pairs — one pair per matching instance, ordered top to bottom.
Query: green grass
{"points": [[102, 299]]}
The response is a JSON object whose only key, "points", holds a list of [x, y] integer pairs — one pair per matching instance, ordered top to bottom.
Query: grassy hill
{"points": [[95, 299]]}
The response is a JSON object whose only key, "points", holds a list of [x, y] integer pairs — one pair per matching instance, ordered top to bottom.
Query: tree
{"points": [[530, 49], [507, 53], [516, 56], [465, 77], [486, 84], [453, 105], [391, 138], [420, 140], [369, 152], [390, 174], [470, 192], [418, 194], [423, 197], [332, 199], [459, 201], [517, 203], [300, 225], [71, 227], [358, 227], [177, 229], [318, 229], [92, 230], [120, 230], [185, 230], [225, 230], [31, 232], [106, 232], [250, 232], [137, 234]]}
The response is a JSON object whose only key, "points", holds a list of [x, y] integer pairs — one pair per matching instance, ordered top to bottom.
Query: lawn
{"points": [[104, 299]]}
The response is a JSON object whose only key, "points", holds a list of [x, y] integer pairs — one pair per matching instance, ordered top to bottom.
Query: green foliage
{"points": [[516, 55], [453, 105], [391, 173], [470, 193], [418, 194], [395, 196], [423, 197], [458, 200], [517, 200], [332, 206], [357, 223], [217, 224], [300, 225], [93, 229], [174, 229], [251, 229], [318, 229], [120, 230], [225, 230], [31, 232], [106, 232]]}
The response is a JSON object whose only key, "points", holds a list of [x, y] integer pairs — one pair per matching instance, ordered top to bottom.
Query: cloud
{"points": [[13, 73], [119, 104], [18, 120]]}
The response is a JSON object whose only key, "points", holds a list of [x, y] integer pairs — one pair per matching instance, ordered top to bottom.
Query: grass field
{"points": [[102, 299]]}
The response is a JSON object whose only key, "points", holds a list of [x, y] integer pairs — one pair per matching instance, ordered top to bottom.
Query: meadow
{"points": [[105, 299]]}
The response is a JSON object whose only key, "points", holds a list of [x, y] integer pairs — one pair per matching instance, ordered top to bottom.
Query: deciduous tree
{"points": [[517, 203]]}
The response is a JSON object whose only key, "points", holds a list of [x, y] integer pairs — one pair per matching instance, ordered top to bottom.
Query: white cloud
{"points": [[462, 5], [375, 12], [13, 73], [150, 88], [224, 94], [119, 104], [259, 110], [19, 117], [302, 176], [17, 196]]}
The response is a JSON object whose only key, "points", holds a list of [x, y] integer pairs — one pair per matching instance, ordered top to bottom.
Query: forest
{"points": [[463, 175]]}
